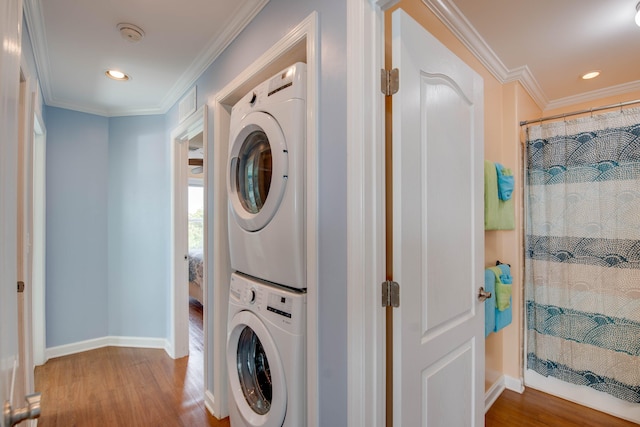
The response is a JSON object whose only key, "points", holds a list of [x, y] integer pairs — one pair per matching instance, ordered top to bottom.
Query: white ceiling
{"points": [[76, 41], [546, 44]]}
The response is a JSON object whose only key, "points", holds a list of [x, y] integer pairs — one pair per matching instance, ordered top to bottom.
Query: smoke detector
{"points": [[130, 32]]}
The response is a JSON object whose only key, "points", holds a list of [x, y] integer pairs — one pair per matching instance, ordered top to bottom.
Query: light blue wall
{"points": [[274, 22], [77, 188], [139, 226], [108, 227], [130, 296]]}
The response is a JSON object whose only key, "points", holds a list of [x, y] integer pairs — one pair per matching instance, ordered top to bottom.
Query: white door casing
{"points": [[10, 33], [39, 240], [179, 306], [438, 363], [24, 383]]}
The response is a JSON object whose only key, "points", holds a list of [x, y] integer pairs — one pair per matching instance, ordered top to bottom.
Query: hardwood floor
{"points": [[117, 386], [536, 409]]}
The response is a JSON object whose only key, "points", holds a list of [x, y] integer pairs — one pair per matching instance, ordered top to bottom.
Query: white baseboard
{"points": [[112, 341], [504, 382], [514, 384], [491, 395], [583, 395], [208, 402]]}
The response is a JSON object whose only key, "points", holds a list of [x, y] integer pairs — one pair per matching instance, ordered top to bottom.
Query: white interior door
{"points": [[438, 360]]}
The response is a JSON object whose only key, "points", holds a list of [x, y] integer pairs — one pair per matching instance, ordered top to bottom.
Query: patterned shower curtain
{"points": [[582, 267]]}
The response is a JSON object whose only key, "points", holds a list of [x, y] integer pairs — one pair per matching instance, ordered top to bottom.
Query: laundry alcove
{"points": [[299, 45]]}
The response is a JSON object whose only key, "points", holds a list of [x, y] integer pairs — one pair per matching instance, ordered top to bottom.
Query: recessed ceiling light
{"points": [[116, 75], [591, 75]]}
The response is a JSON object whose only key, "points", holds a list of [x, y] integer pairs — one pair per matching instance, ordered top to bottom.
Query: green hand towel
{"points": [[498, 214], [503, 291]]}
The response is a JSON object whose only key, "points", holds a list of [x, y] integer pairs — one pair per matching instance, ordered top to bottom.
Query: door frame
{"points": [[299, 44], [33, 143], [39, 239], [366, 247], [178, 345]]}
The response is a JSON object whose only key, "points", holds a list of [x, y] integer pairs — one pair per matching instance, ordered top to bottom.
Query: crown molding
{"points": [[385, 4], [460, 26], [38, 34], [216, 46], [594, 95], [110, 112]]}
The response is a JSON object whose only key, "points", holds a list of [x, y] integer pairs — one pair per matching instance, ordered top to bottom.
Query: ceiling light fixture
{"points": [[638, 14], [116, 75], [591, 75]]}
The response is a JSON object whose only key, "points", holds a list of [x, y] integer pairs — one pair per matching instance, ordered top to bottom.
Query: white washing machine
{"points": [[266, 180], [266, 354]]}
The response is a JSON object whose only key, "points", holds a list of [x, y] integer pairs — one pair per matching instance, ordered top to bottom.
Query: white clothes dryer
{"points": [[266, 180], [266, 357]]}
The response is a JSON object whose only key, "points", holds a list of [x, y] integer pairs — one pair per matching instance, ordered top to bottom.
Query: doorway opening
{"points": [[195, 239], [189, 275]]}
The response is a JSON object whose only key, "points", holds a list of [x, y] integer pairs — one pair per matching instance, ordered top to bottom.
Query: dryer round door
{"points": [[257, 170], [256, 374]]}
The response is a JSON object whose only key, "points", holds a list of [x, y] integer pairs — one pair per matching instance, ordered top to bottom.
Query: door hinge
{"points": [[389, 81], [20, 286], [390, 294]]}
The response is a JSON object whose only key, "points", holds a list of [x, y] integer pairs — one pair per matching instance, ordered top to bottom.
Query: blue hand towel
{"points": [[505, 182], [489, 303], [503, 318]]}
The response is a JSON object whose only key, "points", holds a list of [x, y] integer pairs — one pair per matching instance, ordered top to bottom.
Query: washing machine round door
{"points": [[257, 170], [256, 374]]}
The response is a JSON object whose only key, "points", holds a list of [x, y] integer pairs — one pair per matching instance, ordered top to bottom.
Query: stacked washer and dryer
{"points": [[266, 332]]}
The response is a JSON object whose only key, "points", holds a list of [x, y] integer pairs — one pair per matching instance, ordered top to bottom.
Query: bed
{"points": [[195, 274]]}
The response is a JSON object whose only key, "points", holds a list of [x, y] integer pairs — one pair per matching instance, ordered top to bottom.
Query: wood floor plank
{"points": [[117, 386], [534, 408]]}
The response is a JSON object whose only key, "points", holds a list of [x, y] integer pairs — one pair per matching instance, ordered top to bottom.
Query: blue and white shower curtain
{"points": [[582, 266]]}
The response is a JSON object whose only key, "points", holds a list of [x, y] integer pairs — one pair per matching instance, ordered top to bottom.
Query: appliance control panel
{"points": [[282, 306]]}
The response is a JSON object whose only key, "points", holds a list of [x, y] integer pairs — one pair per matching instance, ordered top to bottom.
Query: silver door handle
{"points": [[483, 295], [31, 411]]}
